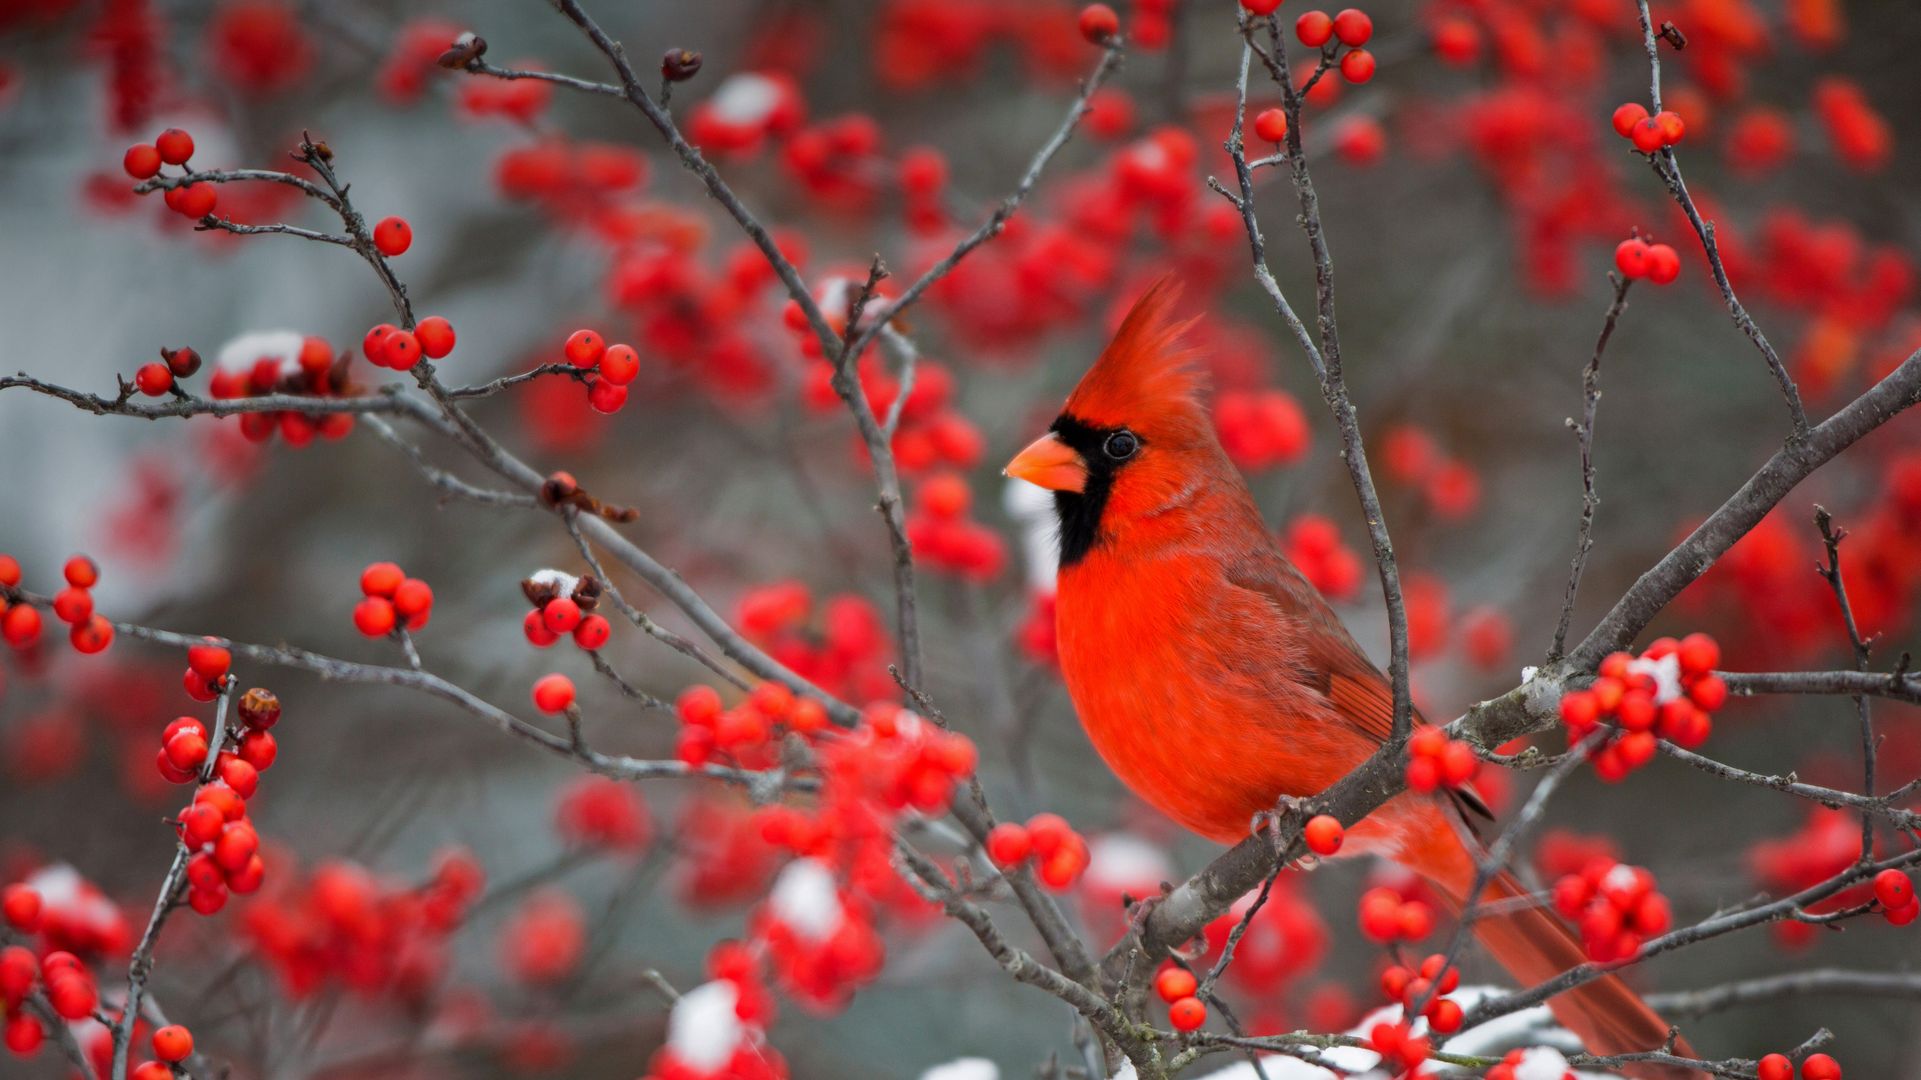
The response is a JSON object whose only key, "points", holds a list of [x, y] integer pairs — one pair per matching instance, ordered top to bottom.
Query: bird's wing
{"points": [[1333, 662]]}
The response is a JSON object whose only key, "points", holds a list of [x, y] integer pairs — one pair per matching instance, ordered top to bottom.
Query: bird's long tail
{"points": [[1534, 945]]}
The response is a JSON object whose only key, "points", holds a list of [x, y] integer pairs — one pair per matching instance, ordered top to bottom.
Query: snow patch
{"points": [[746, 98], [241, 353], [563, 582], [1666, 673], [1124, 861], [807, 899], [703, 1030], [1541, 1063], [964, 1069]]}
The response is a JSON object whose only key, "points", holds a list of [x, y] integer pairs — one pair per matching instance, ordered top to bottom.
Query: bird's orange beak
{"points": [[1050, 463]]}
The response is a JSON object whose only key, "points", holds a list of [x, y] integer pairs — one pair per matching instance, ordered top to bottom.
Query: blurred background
{"points": [[1473, 194]]}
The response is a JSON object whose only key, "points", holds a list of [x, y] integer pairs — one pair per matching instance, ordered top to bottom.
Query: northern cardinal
{"points": [[1214, 679]]}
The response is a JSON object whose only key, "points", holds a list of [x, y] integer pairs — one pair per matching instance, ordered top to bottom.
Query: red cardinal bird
{"points": [[1214, 679]]}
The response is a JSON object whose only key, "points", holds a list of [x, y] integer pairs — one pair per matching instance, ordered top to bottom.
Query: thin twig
{"points": [[1584, 433]]}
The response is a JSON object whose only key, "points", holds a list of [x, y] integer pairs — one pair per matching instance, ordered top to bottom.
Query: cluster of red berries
{"points": [[1352, 28], [520, 101], [745, 111], [1648, 133], [173, 146], [838, 162], [1636, 258], [388, 346], [614, 366], [314, 369], [156, 379], [1261, 429], [1449, 485], [945, 538], [1313, 544], [392, 600], [564, 604], [20, 621], [839, 643], [207, 666], [1670, 692], [745, 733], [249, 749], [1435, 761], [226, 848], [1060, 854], [1894, 891], [1616, 907], [1387, 916], [342, 926], [818, 935], [1429, 983], [1178, 987], [69, 988], [1397, 1044], [1813, 1067]]}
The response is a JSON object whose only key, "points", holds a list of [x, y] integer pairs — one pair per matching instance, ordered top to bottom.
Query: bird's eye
{"points": [[1121, 445]]}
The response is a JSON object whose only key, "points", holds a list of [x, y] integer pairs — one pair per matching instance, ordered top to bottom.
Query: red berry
{"points": [[1261, 7], [1099, 23], [1353, 27], [1314, 28], [1357, 66], [1626, 117], [1271, 125], [1670, 126], [1647, 136], [174, 146], [141, 161], [195, 200], [393, 236], [1631, 257], [1664, 264], [436, 336], [370, 344], [584, 348], [399, 350], [619, 364], [154, 379], [607, 396], [9, 570], [81, 572], [381, 579], [412, 599], [73, 606], [561, 615], [374, 616], [20, 625], [537, 632], [592, 632], [91, 636], [1699, 654], [210, 661], [1709, 692], [553, 693], [698, 705], [258, 748], [187, 750], [237, 774], [200, 824], [1323, 834], [236, 845], [1009, 845], [1893, 889], [21, 906], [1175, 983], [74, 996], [1187, 1014], [1444, 1016], [24, 1034], [173, 1043], [1774, 1067], [1820, 1067]]}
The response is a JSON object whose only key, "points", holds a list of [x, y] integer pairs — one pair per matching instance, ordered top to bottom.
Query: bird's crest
{"points": [[1147, 372]]}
